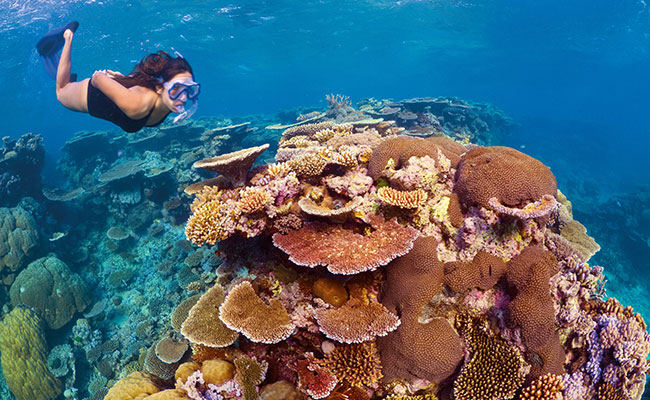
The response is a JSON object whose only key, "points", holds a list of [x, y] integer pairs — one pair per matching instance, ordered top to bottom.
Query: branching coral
{"points": [[402, 199], [356, 364], [495, 370], [545, 387]]}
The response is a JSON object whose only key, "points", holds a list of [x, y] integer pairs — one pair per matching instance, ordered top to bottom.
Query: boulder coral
{"points": [[18, 239], [48, 285], [23, 353]]}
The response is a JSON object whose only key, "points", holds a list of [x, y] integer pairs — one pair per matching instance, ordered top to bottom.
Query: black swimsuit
{"points": [[100, 106]]}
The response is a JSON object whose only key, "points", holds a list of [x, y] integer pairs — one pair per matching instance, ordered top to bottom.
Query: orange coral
{"points": [[401, 198], [252, 200], [330, 290], [244, 312], [356, 321], [545, 387]]}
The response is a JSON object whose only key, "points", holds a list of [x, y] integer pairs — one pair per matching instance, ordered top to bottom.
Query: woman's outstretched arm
{"points": [[133, 101]]}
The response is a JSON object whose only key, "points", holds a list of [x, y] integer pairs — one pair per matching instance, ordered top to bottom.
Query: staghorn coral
{"points": [[234, 166], [513, 178], [402, 199], [252, 200], [211, 222], [344, 251], [243, 311], [356, 321], [203, 326], [23, 352], [355, 364], [495, 370], [545, 387]]}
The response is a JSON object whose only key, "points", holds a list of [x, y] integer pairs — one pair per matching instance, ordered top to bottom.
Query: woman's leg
{"points": [[73, 95]]}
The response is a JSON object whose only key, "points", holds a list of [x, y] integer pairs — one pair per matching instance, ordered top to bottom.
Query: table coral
{"points": [[344, 251], [243, 311], [356, 322], [203, 326]]}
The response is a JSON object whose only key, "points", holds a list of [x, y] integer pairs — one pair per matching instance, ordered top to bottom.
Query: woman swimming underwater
{"points": [[158, 85]]}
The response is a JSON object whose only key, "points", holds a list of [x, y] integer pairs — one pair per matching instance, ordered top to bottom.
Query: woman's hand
{"points": [[113, 74], [98, 76]]}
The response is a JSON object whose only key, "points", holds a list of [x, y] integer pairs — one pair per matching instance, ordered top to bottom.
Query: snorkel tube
{"points": [[183, 87], [185, 113]]}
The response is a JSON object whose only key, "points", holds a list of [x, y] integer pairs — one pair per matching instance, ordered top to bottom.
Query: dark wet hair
{"points": [[154, 67]]}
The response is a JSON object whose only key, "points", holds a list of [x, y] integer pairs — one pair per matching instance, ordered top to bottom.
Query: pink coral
{"points": [[343, 250], [313, 379]]}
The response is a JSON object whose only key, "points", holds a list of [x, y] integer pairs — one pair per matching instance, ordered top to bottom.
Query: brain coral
{"points": [[514, 178], [18, 238], [49, 286], [430, 350], [24, 356]]}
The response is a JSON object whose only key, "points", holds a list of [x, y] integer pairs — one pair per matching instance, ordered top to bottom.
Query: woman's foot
{"points": [[67, 35], [65, 62]]}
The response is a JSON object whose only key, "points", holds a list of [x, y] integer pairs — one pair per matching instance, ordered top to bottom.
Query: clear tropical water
{"points": [[574, 76]]}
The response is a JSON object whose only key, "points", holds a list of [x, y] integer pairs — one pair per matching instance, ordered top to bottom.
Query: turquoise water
{"points": [[572, 76]]}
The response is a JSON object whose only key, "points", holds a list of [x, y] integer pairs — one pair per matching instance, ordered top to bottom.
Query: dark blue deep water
{"points": [[574, 76]]}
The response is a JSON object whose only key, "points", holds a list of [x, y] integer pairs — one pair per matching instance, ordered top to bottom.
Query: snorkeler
{"points": [[158, 85]]}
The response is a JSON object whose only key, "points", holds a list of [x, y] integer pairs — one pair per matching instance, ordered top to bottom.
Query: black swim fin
{"points": [[50, 45]]}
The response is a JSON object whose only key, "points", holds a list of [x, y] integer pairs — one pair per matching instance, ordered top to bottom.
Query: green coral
{"points": [[24, 356]]}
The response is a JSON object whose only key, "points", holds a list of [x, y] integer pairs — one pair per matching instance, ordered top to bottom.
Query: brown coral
{"points": [[308, 130], [450, 148], [399, 149], [307, 165], [233, 166], [512, 177], [402, 198], [252, 200], [343, 250], [483, 272], [330, 290], [244, 312], [356, 321], [203, 325], [431, 350], [170, 351], [355, 364], [495, 370], [545, 387]]}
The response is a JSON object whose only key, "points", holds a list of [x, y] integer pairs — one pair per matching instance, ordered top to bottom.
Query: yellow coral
{"points": [[402, 199], [252, 200], [210, 223], [203, 325], [24, 356], [136, 386], [545, 387]]}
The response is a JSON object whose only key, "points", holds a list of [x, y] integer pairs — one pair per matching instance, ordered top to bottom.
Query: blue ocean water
{"points": [[573, 76]]}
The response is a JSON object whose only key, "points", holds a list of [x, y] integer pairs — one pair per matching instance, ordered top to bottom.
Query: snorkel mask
{"points": [[186, 90]]}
